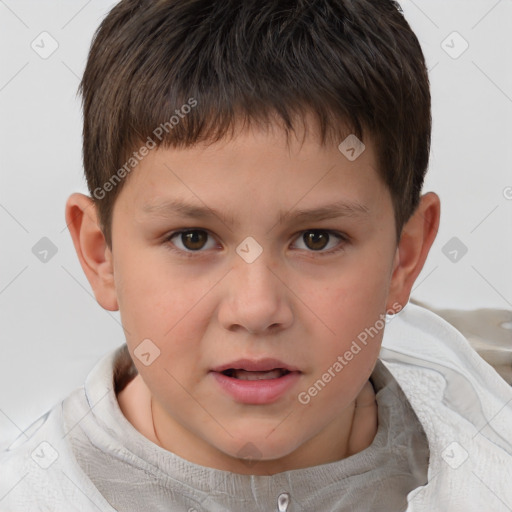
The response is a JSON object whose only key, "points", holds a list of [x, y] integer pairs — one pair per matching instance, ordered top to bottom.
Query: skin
{"points": [[294, 303]]}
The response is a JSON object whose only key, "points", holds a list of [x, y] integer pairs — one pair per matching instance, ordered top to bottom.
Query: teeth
{"points": [[245, 375]]}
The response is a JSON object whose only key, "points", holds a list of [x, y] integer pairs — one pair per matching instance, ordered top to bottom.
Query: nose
{"points": [[256, 297]]}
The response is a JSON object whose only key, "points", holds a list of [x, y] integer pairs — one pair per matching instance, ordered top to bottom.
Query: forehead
{"points": [[261, 166]]}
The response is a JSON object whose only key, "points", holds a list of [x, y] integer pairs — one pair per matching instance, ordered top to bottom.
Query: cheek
{"points": [[154, 297], [352, 301], [351, 307], [165, 309]]}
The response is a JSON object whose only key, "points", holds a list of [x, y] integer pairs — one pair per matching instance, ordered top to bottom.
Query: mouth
{"points": [[267, 368], [239, 374], [256, 382]]}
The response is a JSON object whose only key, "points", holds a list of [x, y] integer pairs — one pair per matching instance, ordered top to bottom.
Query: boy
{"points": [[255, 170]]}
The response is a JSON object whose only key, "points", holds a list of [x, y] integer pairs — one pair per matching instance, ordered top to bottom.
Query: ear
{"points": [[418, 235], [91, 249]]}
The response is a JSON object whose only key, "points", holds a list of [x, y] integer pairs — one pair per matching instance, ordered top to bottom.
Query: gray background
{"points": [[53, 331]]}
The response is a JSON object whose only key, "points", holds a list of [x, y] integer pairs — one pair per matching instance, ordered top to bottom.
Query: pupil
{"points": [[191, 238], [312, 238]]}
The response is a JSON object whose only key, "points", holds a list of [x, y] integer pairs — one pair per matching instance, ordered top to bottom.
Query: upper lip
{"points": [[260, 365]]}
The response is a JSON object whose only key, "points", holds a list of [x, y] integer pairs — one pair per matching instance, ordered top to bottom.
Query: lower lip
{"points": [[257, 392]]}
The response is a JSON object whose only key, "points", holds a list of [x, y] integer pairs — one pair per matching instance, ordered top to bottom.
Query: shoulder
{"points": [[419, 341], [435, 365], [464, 406], [40, 473]]}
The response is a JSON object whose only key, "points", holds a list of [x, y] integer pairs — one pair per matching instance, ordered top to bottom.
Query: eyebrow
{"points": [[178, 207]]}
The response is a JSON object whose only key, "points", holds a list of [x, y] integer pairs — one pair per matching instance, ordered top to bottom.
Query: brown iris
{"points": [[194, 240], [316, 240]]}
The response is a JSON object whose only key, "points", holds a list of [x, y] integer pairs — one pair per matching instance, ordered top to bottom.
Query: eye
{"points": [[191, 240], [316, 240]]}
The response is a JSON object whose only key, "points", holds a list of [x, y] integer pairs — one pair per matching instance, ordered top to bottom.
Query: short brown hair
{"points": [[351, 63]]}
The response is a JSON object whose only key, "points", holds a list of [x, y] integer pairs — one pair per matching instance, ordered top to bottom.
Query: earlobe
{"points": [[418, 235], [92, 250]]}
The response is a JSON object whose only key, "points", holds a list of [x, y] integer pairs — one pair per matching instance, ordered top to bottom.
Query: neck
{"points": [[349, 434]]}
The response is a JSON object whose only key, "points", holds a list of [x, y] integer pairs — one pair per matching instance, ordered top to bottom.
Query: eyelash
{"points": [[190, 254]]}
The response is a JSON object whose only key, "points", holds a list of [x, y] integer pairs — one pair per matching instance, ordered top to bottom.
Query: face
{"points": [[254, 263]]}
